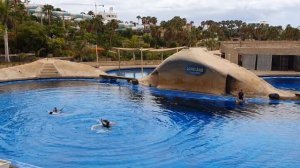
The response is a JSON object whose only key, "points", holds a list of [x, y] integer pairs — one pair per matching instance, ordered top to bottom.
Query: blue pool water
{"points": [[131, 72], [286, 83], [154, 128]]}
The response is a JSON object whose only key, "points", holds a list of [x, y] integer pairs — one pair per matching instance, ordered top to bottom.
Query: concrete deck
{"points": [[124, 63], [108, 68], [66, 69], [258, 73], [276, 73]]}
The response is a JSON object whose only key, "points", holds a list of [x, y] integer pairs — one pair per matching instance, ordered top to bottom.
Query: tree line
{"points": [[52, 35]]}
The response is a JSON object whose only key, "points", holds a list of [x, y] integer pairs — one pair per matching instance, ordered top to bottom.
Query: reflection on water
{"points": [[131, 72], [42, 84], [155, 128]]}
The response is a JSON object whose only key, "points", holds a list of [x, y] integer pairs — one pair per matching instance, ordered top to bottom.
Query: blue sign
{"points": [[195, 70]]}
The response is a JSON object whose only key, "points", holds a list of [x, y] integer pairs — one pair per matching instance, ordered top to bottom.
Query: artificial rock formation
{"points": [[49, 68], [196, 70]]}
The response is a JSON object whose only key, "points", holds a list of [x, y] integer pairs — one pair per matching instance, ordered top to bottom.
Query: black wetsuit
{"points": [[241, 96], [55, 111], [105, 123]]}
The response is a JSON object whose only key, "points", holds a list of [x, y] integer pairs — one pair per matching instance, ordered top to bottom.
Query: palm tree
{"points": [[48, 8], [82, 13], [91, 13], [4, 14], [138, 17], [148, 18], [143, 20], [153, 20], [192, 23], [97, 24], [111, 26], [290, 33]]}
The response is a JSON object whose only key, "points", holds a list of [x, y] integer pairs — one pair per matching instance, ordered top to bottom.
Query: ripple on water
{"points": [[154, 128]]}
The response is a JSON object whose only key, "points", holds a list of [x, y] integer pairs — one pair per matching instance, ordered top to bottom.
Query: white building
{"points": [[37, 10], [108, 16]]}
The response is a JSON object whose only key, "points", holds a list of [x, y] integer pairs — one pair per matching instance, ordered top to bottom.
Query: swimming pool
{"points": [[131, 72], [286, 83], [154, 128]]}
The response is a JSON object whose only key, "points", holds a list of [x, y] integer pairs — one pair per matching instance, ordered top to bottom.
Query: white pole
{"points": [[41, 17], [133, 54], [97, 55], [7, 59], [119, 60], [142, 63]]}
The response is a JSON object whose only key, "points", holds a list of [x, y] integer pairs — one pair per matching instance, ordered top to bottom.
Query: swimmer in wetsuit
{"points": [[240, 97], [54, 111], [105, 123]]}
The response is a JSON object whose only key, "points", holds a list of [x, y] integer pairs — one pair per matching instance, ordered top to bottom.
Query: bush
{"points": [[31, 37], [56, 46], [85, 54]]}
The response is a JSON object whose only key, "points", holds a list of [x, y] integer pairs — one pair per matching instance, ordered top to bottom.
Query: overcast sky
{"points": [[275, 12]]}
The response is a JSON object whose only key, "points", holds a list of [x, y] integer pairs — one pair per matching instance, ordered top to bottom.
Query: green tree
{"points": [[48, 9], [57, 9], [91, 13], [4, 14], [17, 15], [153, 20], [97, 24], [55, 31], [111, 31], [175, 31], [247, 31], [261, 32], [273, 32], [290, 33], [155, 34], [31, 36], [194, 36], [135, 42], [56, 46]]}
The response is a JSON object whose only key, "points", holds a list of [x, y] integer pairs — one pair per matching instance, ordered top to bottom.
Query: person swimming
{"points": [[55, 111], [105, 123]]}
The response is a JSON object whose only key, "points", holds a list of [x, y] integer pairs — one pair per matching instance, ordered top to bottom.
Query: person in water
{"points": [[241, 96], [54, 111], [105, 123]]}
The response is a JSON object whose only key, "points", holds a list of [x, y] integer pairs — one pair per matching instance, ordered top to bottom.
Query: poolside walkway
{"points": [[54, 68], [108, 68], [258, 73], [277, 73]]}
